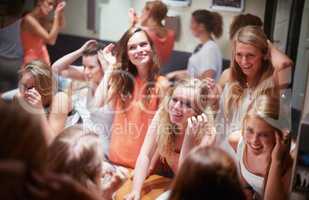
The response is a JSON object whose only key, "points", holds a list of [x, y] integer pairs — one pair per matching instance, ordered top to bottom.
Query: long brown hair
{"points": [[158, 10], [212, 21], [251, 35], [122, 81], [22, 137], [77, 152], [207, 173]]}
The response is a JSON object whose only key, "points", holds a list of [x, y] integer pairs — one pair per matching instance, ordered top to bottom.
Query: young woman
{"points": [[151, 20], [35, 34], [206, 60], [279, 60], [251, 74], [131, 86], [36, 93], [167, 131], [263, 150], [77, 152], [207, 173]]}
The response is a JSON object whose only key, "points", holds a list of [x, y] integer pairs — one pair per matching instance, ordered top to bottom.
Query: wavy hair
{"points": [[251, 35], [43, 79], [122, 80], [167, 131]]}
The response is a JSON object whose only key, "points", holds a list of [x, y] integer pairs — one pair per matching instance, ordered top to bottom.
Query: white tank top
{"points": [[256, 182]]}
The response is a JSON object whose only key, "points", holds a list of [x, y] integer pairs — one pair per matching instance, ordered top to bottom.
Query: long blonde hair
{"points": [[251, 35], [43, 79], [167, 131]]}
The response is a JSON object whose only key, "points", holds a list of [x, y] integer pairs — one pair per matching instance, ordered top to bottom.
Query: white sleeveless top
{"points": [[256, 182]]}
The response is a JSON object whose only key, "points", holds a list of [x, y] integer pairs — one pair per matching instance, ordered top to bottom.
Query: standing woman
{"points": [[151, 20], [36, 33], [206, 59], [133, 92]]}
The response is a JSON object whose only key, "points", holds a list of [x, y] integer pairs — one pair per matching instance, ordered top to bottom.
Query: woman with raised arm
{"points": [[151, 20], [35, 32], [132, 87], [167, 131]]}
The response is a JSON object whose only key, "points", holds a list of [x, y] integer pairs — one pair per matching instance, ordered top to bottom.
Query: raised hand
{"points": [[60, 7], [132, 16], [88, 44], [106, 58], [33, 97], [196, 125], [282, 147]]}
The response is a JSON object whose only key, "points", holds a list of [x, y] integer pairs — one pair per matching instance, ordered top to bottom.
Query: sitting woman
{"points": [[206, 59], [132, 87], [36, 92], [167, 130], [263, 150], [77, 152], [207, 173]]}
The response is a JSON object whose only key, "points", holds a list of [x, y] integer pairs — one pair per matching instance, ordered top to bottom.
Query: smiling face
{"points": [[139, 50], [249, 59], [92, 69], [181, 105], [259, 137]]}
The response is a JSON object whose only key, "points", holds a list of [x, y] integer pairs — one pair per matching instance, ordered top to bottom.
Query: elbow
{"points": [[51, 42]]}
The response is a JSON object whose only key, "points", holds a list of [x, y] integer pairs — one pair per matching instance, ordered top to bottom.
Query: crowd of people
{"points": [[114, 128]]}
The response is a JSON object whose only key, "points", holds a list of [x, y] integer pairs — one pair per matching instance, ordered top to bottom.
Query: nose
{"points": [[244, 59], [255, 139]]}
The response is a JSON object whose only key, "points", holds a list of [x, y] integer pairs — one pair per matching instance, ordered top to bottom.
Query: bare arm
{"points": [[34, 26], [282, 64], [64, 67], [60, 108], [144, 158]]}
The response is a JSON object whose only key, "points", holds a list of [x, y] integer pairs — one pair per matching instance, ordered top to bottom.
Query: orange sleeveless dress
{"points": [[34, 48]]}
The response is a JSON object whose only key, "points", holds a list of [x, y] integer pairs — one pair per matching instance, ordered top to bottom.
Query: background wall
{"points": [[113, 20]]}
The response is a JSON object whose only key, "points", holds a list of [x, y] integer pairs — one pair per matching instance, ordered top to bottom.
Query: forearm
{"points": [[53, 33], [64, 62], [207, 74], [178, 75], [101, 93], [187, 145], [140, 173], [274, 187]]}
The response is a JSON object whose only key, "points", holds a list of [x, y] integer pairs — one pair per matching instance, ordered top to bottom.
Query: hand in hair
{"points": [[87, 45], [106, 58], [214, 93], [281, 148]]}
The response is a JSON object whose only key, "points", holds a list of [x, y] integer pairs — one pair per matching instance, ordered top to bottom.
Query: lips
{"points": [[255, 148]]}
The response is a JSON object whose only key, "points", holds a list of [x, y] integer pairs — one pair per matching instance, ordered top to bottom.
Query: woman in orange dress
{"points": [[34, 32]]}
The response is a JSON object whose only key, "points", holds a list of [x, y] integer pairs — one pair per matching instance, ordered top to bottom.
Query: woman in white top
{"points": [[206, 59], [263, 150]]}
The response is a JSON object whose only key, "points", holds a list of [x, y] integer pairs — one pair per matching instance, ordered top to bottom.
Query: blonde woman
{"points": [[36, 92], [167, 130], [263, 150]]}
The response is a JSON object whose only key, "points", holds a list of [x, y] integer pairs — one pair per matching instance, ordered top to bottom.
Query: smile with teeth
{"points": [[256, 148]]}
